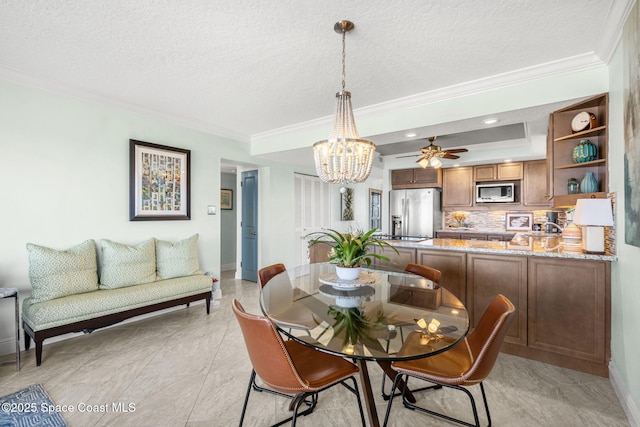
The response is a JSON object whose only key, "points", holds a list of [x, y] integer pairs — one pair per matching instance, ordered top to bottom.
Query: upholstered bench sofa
{"points": [[70, 293]]}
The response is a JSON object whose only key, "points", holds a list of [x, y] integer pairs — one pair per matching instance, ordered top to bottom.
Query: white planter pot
{"points": [[345, 273]]}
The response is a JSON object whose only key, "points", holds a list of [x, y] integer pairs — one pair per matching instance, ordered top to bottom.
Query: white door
{"points": [[313, 211]]}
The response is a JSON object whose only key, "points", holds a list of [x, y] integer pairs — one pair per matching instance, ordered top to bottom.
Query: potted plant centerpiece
{"points": [[352, 250]]}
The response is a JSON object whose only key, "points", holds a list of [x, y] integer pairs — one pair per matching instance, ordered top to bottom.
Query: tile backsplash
{"points": [[495, 221]]}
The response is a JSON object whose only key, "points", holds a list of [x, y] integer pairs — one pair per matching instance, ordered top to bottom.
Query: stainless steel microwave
{"points": [[495, 193]]}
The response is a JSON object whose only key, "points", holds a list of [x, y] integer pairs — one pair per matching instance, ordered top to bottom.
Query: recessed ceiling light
{"points": [[490, 121], [410, 134]]}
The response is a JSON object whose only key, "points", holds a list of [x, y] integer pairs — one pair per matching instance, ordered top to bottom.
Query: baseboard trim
{"points": [[620, 388]]}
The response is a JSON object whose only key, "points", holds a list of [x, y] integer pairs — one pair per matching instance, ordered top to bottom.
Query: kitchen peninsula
{"points": [[562, 296]]}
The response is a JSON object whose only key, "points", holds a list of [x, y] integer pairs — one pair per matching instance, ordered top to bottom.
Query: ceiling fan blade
{"points": [[457, 150], [410, 155], [450, 156]]}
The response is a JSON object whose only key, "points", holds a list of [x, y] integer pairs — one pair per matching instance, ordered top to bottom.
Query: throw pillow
{"points": [[177, 259], [124, 265], [56, 274]]}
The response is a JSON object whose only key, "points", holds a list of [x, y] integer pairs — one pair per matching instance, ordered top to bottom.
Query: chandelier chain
{"points": [[344, 57]]}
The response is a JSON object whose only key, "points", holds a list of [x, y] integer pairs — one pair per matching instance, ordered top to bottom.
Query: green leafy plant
{"points": [[354, 248], [352, 322]]}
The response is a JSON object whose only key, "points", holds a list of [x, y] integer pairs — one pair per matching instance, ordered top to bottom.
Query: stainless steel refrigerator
{"points": [[415, 213]]}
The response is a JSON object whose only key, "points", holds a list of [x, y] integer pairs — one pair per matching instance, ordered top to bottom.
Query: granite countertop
{"points": [[522, 244]]}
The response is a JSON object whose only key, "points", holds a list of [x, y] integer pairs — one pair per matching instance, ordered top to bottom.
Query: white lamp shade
{"points": [[593, 212]]}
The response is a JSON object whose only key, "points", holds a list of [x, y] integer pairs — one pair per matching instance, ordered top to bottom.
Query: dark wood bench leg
{"points": [[207, 301], [27, 340], [38, 352]]}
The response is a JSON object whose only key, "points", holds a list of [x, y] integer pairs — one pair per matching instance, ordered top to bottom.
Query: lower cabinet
{"points": [[397, 261], [452, 265], [490, 275], [563, 305], [569, 310]]}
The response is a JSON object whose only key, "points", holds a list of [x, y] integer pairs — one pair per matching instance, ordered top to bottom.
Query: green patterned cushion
{"points": [[177, 259], [124, 265], [55, 274], [75, 308]]}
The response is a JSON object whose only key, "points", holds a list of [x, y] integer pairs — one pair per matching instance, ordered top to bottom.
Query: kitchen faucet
{"points": [[555, 225]]}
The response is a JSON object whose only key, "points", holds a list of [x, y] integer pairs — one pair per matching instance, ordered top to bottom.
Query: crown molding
{"points": [[611, 32], [17, 77], [498, 81]]}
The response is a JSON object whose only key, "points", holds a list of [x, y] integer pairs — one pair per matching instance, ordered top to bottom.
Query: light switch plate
{"points": [[211, 210]]}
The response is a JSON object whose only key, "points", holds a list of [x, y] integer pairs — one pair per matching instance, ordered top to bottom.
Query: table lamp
{"points": [[593, 215]]}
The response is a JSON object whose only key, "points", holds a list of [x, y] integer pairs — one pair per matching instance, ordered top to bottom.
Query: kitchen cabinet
{"points": [[563, 140], [498, 172], [416, 178], [534, 185], [457, 187], [447, 235], [397, 261], [452, 265], [489, 275], [415, 296], [563, 305], [568, 311]]}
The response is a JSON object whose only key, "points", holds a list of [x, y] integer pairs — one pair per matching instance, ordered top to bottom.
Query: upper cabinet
{"points": [[577, 149], [498, 172], [416, 178], [534, 185], [457, 187]]}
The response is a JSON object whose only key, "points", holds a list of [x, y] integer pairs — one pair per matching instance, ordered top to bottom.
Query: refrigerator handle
{"points": [[405, 223]]}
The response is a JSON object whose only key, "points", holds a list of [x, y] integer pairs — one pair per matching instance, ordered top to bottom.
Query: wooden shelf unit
{"points": [[562, 141]]}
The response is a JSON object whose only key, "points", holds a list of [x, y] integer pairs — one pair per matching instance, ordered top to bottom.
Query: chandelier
{"points": [[343, 158]]}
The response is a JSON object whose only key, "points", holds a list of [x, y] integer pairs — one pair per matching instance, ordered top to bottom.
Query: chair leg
{"points": [[356, 391], [392, 394], [246, 398], [410, 405]]}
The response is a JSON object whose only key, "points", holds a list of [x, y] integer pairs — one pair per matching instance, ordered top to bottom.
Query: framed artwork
{"points": [[631, 36], [159, 181], [226, 199], [346, 202], [519, 221]]}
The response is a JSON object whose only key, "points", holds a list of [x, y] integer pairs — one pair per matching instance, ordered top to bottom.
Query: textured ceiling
{"points": [[239, 68]]}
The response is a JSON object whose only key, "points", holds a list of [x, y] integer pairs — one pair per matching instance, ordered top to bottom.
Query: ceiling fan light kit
{"points": [[431, 154], [343, 158]]}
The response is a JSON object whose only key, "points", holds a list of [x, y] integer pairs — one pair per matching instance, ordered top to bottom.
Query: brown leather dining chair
{"points": [[428, 273], [265, 274], [466, 364], [290, 369]]}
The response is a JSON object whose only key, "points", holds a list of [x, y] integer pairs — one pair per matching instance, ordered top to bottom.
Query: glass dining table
{"points": [[383, 316]]}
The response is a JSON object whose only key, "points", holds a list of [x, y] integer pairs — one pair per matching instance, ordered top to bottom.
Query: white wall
{"points": [[66, 180], [625, 292]]}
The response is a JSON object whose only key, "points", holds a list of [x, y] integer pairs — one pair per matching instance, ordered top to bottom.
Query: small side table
{"points": [[13, 293]]}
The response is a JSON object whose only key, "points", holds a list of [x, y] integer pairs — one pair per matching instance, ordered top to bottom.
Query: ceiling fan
{"points": [[431, 154]]}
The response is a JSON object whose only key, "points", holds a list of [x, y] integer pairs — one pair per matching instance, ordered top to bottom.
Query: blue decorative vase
{"points": [[585, 151], [589, 183]]}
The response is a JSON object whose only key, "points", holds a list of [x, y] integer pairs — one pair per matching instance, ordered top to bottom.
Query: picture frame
{"points": [[159, 182], [226, 199], [519, 221]]}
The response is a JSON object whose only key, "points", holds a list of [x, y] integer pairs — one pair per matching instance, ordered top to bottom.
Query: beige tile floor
{"points": [[184, 368]]}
